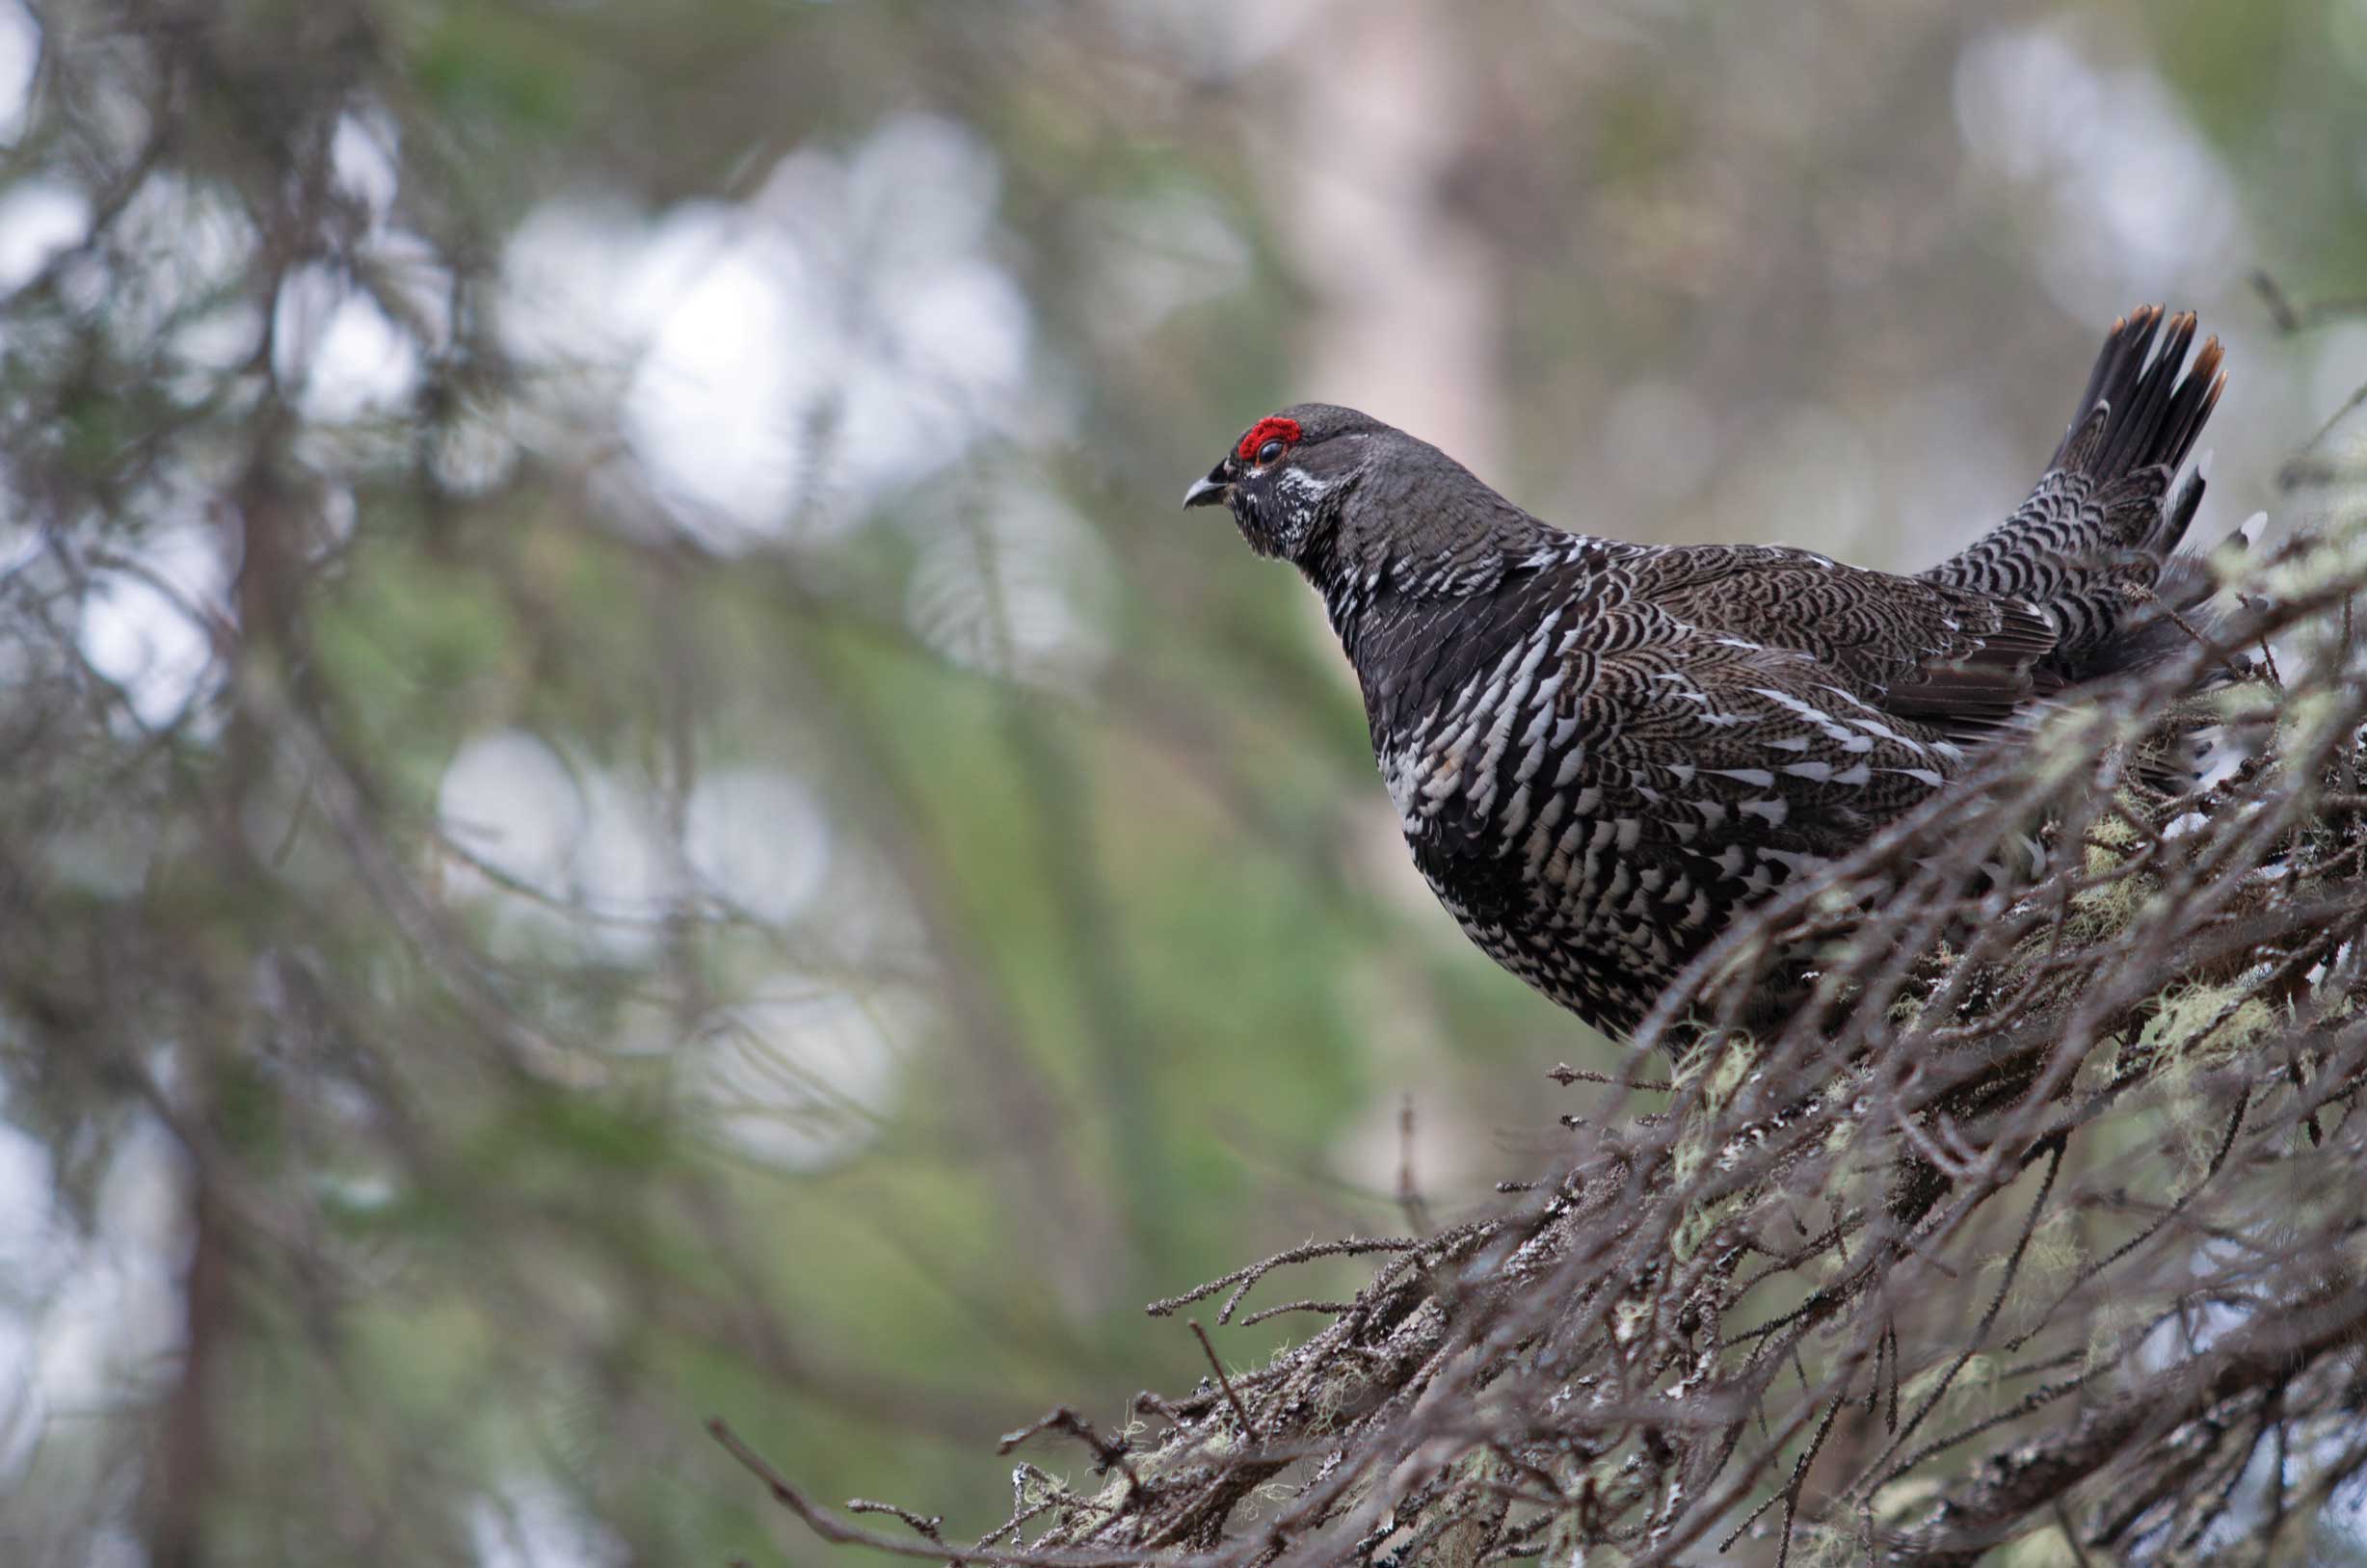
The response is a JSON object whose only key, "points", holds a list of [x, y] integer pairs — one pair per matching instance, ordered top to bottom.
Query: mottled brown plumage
{"points": [[1602, 752]]}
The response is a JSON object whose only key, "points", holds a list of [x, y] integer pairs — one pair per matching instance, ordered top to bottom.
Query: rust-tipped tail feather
{"points": [[2094, 547]]}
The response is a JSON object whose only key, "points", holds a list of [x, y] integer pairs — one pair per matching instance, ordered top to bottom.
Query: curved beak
{"points": [[1211, 490]]}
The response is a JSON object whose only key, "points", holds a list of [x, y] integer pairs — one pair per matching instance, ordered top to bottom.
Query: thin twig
{"points": [[1249, 1429]]}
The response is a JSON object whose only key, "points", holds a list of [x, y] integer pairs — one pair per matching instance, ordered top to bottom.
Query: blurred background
{"points": [[627, 797]]}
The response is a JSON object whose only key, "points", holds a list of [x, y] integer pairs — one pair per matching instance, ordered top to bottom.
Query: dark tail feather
{"points": [[2139, 412], [2148, 416], [2135, 423], [2092, 548], [2186, 607], [2180, 612]]}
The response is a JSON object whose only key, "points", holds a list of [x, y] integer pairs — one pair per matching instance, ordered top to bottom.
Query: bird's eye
{"points": [[1266, 440]]}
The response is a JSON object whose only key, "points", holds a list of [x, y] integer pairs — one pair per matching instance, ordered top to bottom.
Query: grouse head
{"points": [[1290, 474], [1348, 500]]}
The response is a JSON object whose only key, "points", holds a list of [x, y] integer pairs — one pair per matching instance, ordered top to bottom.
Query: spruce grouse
{"points": [[1602, 752]]}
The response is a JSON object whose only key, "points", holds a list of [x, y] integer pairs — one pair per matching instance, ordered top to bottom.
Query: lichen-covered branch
{"points": [[2040, 1217]]}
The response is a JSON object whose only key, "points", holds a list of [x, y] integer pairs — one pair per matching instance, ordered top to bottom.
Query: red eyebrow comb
{"points": [[1271, 428]]}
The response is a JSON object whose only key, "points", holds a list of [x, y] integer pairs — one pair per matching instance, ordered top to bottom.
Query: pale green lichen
{"points": [[2339, 556], [2218, 1022], [1701, 1221], [2050, 1264], [2112, 1324], [1975, 1381], [1825, 1546], [2045, 1548]]}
